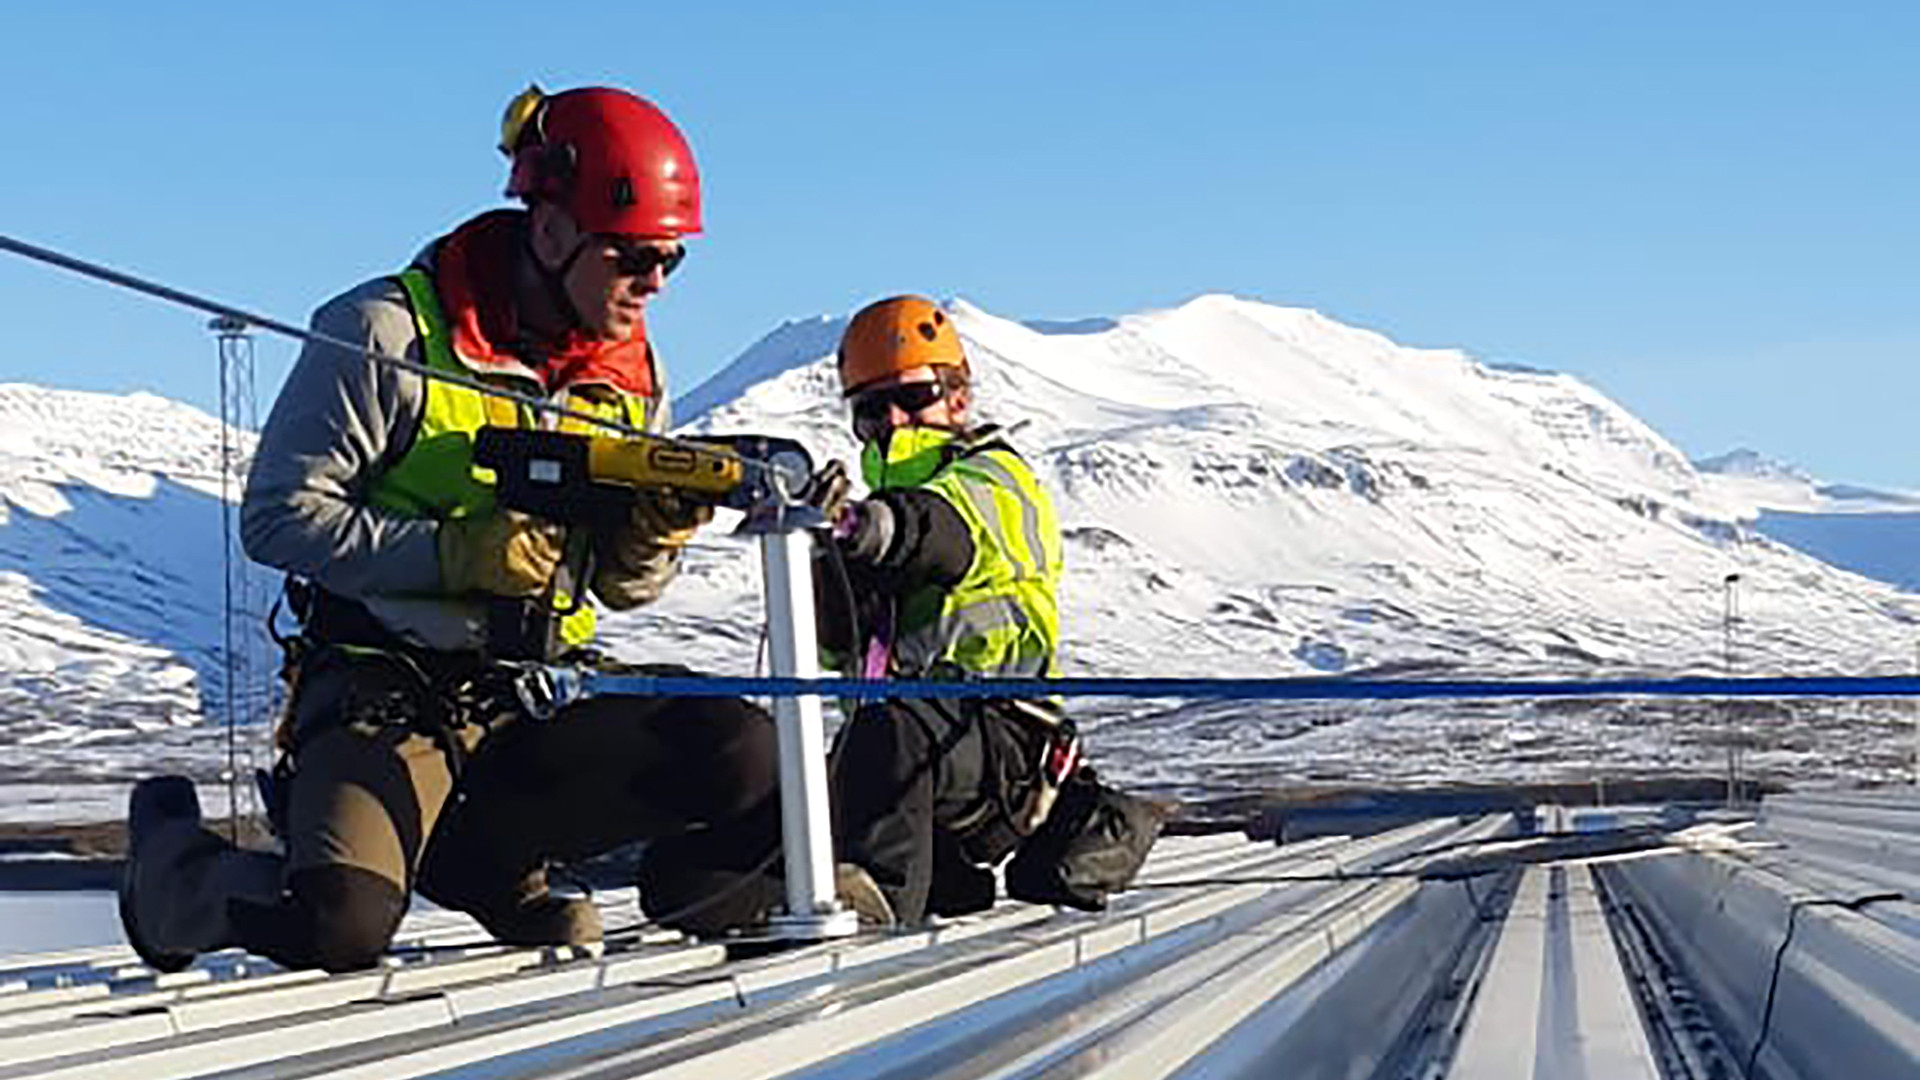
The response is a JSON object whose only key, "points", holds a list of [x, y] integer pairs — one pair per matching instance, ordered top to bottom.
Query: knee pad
{"points": [[1091, 845], [959, 889], [681, 890], [348, 915]]}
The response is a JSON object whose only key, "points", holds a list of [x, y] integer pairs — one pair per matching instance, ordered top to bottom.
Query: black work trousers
{"points": [[919, 786], [916, 787]]}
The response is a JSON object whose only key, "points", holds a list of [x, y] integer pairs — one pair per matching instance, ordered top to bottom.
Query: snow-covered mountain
{"points": [[1759, 483], [1249, 488], [1246, 489], [112, 584]]}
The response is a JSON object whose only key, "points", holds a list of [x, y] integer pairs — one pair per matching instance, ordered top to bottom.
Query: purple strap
{"points": [[879, 646]]}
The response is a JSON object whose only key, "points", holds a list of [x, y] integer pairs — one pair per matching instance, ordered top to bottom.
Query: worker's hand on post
{"points": [[828, 490], [863, 529], [506, 553]]}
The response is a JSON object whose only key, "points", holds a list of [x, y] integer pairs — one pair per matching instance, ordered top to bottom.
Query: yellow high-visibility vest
{"points": [[437, 477], [1003, 618]]}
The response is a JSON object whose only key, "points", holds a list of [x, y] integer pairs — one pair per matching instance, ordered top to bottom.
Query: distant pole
{"points": [[237, 411], [1729, 616]]}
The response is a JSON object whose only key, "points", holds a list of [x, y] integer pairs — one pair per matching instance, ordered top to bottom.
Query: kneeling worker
{"points": [[953, 563], [410, 762]]}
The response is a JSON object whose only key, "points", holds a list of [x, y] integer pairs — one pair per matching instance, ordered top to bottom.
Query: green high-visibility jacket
{"points": [[1003, 617]]}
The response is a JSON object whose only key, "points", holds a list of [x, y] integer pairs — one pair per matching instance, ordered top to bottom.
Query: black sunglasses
{"points": [[633, 258], [871, 407]]}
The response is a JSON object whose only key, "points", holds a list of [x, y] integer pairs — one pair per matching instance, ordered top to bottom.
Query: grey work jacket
{"points": [[339, 421]]}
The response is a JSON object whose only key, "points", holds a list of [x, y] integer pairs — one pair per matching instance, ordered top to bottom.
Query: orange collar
{"points": [[473, 273]]}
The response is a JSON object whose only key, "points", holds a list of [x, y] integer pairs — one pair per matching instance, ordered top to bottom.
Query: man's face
{"points": [[614, 277], [608, 278], [916, 396]]}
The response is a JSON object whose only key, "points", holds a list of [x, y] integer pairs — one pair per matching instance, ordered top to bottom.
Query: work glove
{"points": [[828, 490], [663, 518], [862, 527], [864, 530], [506, 553], [634, 560]]}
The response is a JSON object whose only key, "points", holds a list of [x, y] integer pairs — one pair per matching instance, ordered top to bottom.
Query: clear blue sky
{"points": [[1711, 210]]}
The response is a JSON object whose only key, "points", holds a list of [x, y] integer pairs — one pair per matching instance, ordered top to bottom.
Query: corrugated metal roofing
{"points": [[1803, 959], [1240, 960]]}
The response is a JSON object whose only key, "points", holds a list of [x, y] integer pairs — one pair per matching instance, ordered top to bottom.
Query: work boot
{"points": [[160, 812], [181, 879], [856, 889], [523, 911], [545, 920]]}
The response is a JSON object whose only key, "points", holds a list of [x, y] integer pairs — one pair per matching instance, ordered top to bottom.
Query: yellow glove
{"points": [[664, 519], [506, 554], [633, 561]]}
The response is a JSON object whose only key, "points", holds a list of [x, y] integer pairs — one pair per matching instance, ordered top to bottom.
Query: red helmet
{"points": [[611, 160]]}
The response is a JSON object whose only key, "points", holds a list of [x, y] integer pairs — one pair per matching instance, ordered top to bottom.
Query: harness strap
{"points": [[450, 691], [1009, 817]]}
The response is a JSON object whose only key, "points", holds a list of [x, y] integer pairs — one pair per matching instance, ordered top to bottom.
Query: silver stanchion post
{"points": [[813, 910]]}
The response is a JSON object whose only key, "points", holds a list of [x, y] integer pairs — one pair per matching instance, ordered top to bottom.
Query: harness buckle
{"points": [[543, 691], [1061, 758]]}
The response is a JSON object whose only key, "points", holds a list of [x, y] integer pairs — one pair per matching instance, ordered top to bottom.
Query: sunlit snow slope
{"points": [[1246, 489], [1250, 489], [1255, 490], [111, 580]]}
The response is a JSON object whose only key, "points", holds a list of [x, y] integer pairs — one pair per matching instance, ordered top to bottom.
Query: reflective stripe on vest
{"points": [[437, 478], [1003, 618]]}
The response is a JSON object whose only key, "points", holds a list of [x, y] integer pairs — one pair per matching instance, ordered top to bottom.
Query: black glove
{"points": [[828, 490]]}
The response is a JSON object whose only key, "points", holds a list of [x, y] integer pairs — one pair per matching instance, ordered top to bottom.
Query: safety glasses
{"points": [[633, 258], [871, 408]]}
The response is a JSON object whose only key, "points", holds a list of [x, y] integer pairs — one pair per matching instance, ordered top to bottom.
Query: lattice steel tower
{"points": [[246, 691]]}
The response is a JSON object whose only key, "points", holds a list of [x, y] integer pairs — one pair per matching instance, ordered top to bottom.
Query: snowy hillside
{"points": [[1250, 489], [1246, 490], [111, 580]]}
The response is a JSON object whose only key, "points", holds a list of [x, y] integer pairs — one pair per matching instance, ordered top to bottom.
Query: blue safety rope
{"points": [[573, 683]]}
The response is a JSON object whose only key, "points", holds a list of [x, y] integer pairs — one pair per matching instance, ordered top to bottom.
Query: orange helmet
{"points": [[611, 160], [896, 335]]}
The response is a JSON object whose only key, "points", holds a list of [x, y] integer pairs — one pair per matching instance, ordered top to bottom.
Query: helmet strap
{"points": [[554, 281]]}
